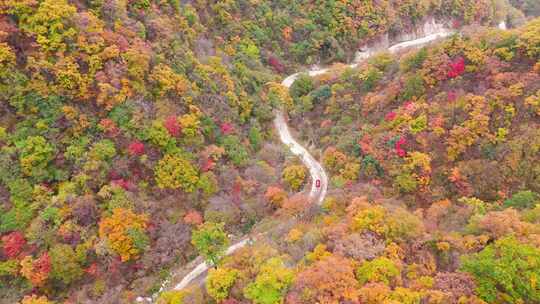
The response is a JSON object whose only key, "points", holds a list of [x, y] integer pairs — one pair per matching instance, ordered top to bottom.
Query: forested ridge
{"points": [[137, 134]]}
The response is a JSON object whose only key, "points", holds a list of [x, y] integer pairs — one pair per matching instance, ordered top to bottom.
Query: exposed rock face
{"points": [[427, 31]]}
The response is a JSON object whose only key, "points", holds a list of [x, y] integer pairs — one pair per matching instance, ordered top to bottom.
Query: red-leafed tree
{"points": [[276, 64], [457, 67], [390, 116], [173, 126], [226, 128], [136, 148], [400, 151], [208, 164], [193, 217], [13, 244]]}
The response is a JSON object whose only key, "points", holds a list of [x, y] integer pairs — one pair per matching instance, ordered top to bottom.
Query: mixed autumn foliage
{"points": [[136, 134], [433, 156]]}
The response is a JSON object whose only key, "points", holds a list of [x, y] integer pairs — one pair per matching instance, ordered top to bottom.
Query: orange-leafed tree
{"points": [[275, 195], [125, 233], [36, 270], [329, 280], [34, 299]]}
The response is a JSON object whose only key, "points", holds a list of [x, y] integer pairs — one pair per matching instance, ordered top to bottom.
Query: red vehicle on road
{"points": [[318, 183]]}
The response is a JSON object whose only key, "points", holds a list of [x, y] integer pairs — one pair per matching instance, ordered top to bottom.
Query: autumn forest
{"points": [[143, 159]]}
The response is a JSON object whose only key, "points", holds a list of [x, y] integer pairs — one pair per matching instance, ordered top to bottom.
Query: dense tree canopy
{"points": [[128, 129]]}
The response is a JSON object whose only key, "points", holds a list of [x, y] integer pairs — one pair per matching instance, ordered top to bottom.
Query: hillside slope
{"points": [[125, 124]]}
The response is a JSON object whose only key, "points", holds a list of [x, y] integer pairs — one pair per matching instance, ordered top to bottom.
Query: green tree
{"points": [[303, 85], [255, 138], [235, 150], [35, 155], [208, 183], [523, 199], [211, 241], [506, 271], [271, 283]]}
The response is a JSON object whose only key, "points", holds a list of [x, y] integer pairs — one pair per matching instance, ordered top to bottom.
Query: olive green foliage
{"points": [[414, 61], [369, 78], [303, 85], [413, 87], [255, 138], [294, 176], [406, 182], [65, 265]]}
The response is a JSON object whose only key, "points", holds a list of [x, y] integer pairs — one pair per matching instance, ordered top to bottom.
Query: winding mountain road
{"points": [[317, 172]]}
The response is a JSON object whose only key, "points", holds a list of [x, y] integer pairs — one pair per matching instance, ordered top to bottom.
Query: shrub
{"points": [[529, 38], [415, 60], [456, 68], [369, 78], [413, 87], [321, 93], [418, 124], [173, 126], [158, 135], [136, 148], [235, 150], [405, 182], [275, 195], [523, 200], [13, 244], [9, 268], [36, 271], [34, 299]]}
